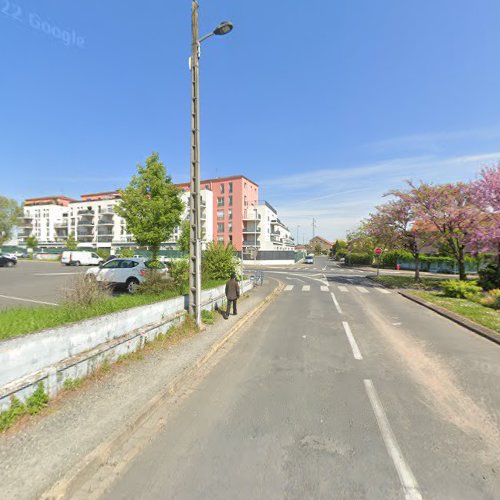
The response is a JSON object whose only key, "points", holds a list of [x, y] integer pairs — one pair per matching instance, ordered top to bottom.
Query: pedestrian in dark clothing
{"points": [[232, 295]]}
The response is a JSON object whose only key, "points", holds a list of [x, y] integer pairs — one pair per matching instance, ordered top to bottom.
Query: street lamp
{"points": [[194, 209]]}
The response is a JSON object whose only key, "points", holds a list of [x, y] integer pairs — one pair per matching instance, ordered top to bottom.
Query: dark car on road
{"points": [[7, 261]]}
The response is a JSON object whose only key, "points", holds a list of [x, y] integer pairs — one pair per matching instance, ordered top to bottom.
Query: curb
{"points": [[466, 323], [75, 477]]}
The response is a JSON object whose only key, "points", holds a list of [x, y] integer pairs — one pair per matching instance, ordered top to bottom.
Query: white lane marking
{"points": [[324, 268], [54, 274], [288, 288], [306, 288], [324, 288], [343, 288], [362, 289], [382, 290], [28, 300], [337, 305], [352, 341], [405, 474]]}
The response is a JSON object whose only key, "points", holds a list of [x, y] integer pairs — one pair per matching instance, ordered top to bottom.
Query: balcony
{"points": [[107, 211], [86, 212], [85, 222], [106, 222], [61, 225], [85, 237], [105, 237]]}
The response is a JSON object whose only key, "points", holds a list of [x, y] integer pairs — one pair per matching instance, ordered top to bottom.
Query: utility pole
{"points": [[194, 196], [194, 206], [298, 226], [314, 227]]}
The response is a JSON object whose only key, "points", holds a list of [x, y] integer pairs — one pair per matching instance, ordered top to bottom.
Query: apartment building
{"points": [[231, 197], [230, 213], [45, 218], [93, 221], [263, 230]]}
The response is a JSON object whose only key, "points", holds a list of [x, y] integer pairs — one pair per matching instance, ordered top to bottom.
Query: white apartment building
{"points": [[46, 219], [93, 221], [263, 230]]}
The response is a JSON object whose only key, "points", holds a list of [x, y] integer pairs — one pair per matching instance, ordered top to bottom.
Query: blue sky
{"points": [[326, 104]]}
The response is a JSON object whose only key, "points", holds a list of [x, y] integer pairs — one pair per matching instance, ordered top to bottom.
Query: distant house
{"points": [[321, 242]]}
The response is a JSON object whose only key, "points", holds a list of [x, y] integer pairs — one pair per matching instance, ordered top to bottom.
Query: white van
{"points": [[82, 258], [309, 259]]}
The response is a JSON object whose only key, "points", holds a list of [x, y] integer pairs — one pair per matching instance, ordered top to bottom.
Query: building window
{"points": [[207, 187], [230, 187], [222, 188], [220, 201], [230, 201], [245, 202], [220, 214], [230, 214], [220, 227], [230, 227], [220, 238], [230, 238]]}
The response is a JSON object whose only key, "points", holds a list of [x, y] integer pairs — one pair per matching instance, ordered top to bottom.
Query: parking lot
{"points": [[35, 283]]}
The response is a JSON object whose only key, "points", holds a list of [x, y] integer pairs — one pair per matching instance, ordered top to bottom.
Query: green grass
{"points": [[426, 282], [471, 310], [208, 317], [21, 321]]}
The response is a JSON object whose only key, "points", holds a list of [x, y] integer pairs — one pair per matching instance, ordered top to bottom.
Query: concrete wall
{"points": [[268, 262], [74, 351]]}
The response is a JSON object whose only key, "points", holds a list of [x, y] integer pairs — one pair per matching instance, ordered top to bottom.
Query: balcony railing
{"points": [[86, 212], [105, 222], [85, 223]]}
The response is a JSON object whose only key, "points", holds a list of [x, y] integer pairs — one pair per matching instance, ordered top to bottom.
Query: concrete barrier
{"points": [[74, 351]]}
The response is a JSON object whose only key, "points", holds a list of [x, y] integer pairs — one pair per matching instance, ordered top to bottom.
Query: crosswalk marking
{"points": [[288, 288], [306, 288], [324, 288], [343, 288], [362, 289], [382, 290]]}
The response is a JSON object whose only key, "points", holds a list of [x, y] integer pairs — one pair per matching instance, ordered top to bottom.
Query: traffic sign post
{"points": [[378, 252]]}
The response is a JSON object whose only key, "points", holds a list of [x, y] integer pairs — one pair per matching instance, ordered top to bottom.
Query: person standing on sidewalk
{"points": [[232, 295]]}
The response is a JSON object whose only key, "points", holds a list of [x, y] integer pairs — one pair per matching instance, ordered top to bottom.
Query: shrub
{"points": [[103, 253], [126, 253], [392, 257], [358, 259], [218, 261], [179, 271], [489, 277], [156, 283], [460, 289], [85, 291], [492, 299], [207, 317], [37, 400]]}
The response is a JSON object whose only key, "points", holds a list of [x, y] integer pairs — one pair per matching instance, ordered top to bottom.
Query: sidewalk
{"points": [[36, 456]]}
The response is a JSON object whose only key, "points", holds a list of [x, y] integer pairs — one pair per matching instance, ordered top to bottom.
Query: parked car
{"points": [[22, 255], [9, 256], [80, 258], [309, 259], [7, 261], [123, 272]]}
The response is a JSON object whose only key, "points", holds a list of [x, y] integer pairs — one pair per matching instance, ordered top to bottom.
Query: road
{"points": [[35, 283], [342, 390]]}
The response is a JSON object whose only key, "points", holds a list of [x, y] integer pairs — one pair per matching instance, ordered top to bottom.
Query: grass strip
{"points": [[425, 283], [485, 316], [22, 320]]}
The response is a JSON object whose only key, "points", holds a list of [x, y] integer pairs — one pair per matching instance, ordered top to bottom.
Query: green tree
{"points": [[151, 205], [10, 211], [184, 237], [31, 242], [71, 243], [317, 249], [218, 261]]}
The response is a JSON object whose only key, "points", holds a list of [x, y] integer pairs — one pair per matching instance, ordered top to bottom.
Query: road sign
{"points": [[378, 251]]}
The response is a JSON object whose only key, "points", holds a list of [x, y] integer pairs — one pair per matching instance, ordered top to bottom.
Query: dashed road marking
{"points": [[288, 288], [306, 288], [324, 288], [343, 288], [362, 289], [382, 290], [337, 305], [350, 337], [408, 481]]}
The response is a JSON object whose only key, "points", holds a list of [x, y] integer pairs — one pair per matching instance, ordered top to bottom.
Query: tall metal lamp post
{"points": [[194, 215]]}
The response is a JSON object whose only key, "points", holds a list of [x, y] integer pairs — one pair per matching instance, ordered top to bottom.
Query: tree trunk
{"points": [[155, 249], [461, 263], [417, 267]]}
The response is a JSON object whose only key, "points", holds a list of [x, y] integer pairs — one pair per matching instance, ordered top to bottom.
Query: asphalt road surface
{"points": [[35, 283], [339, 390]]}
